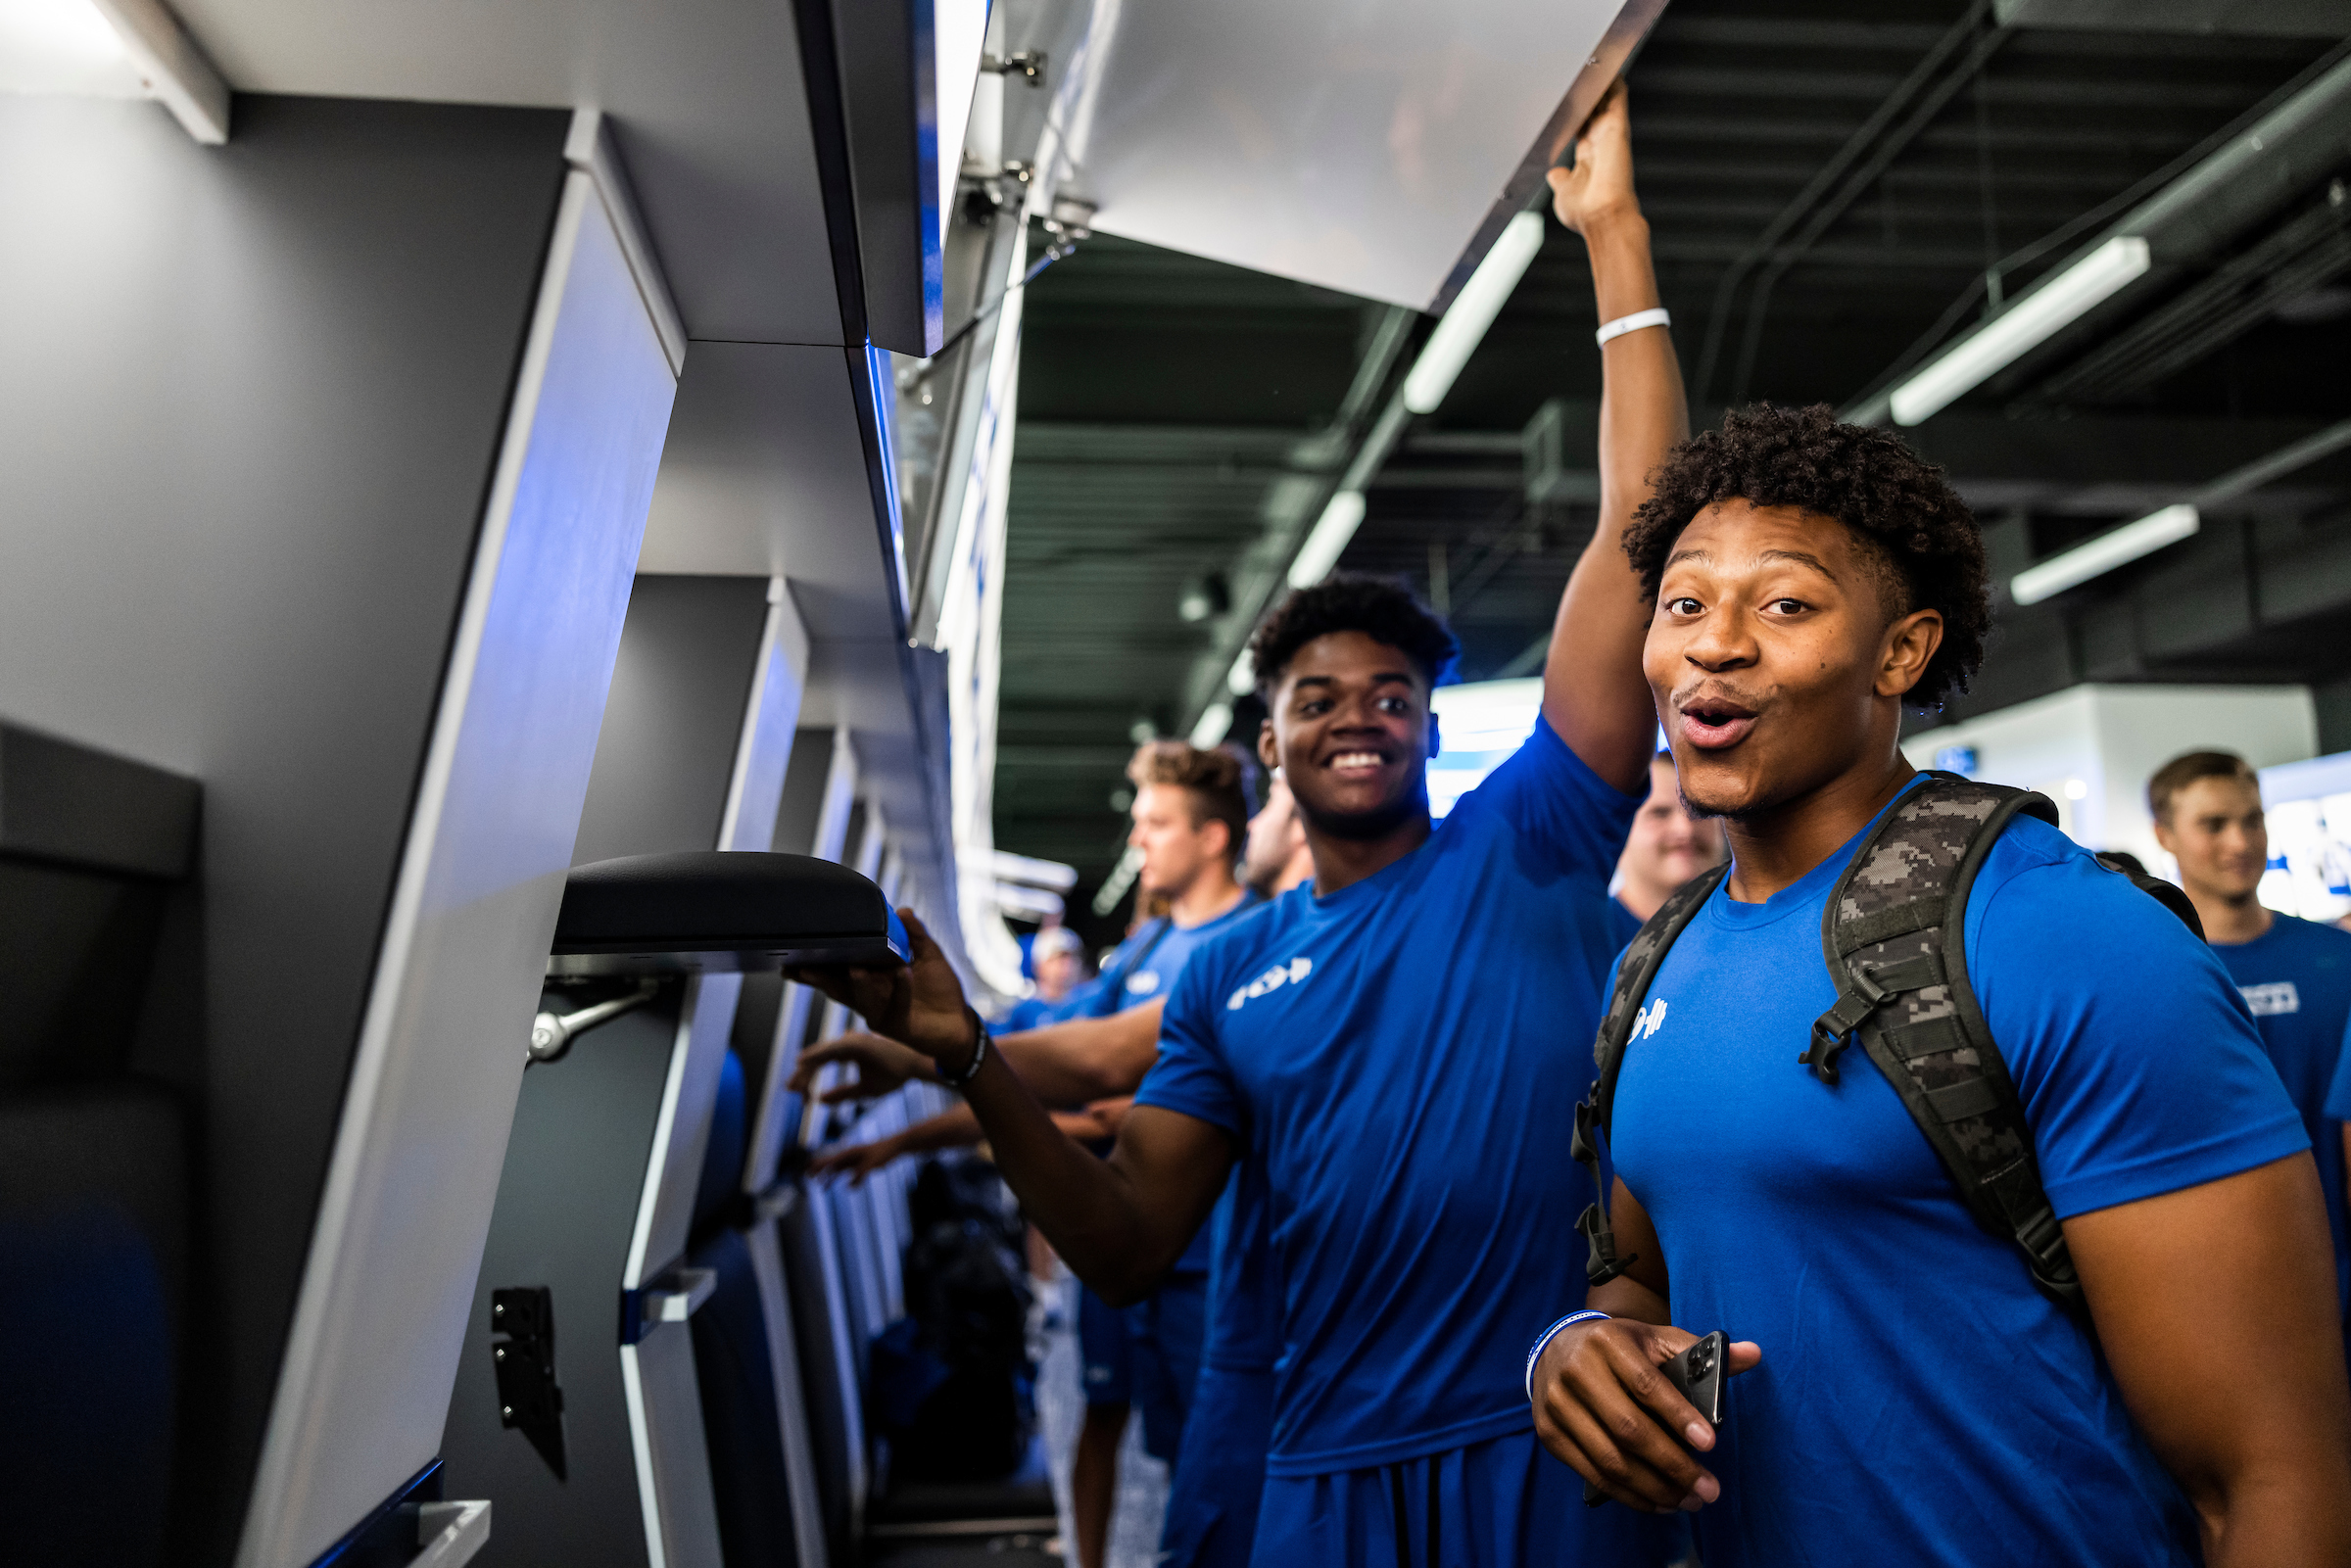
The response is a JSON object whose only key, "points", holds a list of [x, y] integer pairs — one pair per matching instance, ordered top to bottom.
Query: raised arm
{"points": [[1594, 694], [1119, 1223], [2216, 1307]]}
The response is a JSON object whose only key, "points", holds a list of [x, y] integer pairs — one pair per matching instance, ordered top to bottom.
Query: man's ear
{"points": [[1904, 654], [1432, 733], [1266, 752]]}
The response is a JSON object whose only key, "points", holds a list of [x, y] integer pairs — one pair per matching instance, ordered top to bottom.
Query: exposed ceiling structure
{"points": [[1828, 189]]}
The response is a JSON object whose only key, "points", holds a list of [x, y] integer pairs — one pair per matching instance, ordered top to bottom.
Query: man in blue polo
{"points": [[1398, 1047]]}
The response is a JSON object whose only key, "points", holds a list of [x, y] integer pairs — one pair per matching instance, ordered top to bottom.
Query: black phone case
{"points": [[1699, 1373]]}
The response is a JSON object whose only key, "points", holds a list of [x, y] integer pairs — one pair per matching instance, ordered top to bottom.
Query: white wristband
{"points": [[1631, 323], [1550, 1334]]}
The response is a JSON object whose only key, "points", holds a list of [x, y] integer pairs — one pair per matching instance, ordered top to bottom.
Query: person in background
{"points": [[1669, 845], [1276, 858], [1058, 958], [2295, 974]]}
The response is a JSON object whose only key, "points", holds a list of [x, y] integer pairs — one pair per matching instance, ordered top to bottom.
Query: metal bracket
{"points": [[1027, 63], [551, 1033], [673, 1298], [529, 1400]]}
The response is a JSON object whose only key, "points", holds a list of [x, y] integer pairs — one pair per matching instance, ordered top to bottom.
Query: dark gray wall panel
{"points": [[249, 407], [666, 754]]}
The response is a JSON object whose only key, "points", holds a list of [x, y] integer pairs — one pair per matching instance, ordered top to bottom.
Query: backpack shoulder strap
{"points": [[1893, 937], [1643, 957]]}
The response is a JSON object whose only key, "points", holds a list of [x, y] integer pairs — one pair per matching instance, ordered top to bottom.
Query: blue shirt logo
{"points": [[1274, 979]]}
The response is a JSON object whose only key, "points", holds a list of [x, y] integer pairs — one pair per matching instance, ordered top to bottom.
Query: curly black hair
{"points": [[1929, 551], [1351, 602]]}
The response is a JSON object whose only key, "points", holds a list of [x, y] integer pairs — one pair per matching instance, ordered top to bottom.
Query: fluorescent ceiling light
{"points": [[112, 49], [1472, 311], [2031, 321], [1323, 547], [2105, 553], [1242, 677], [1215, 721], [1005, 865], [1122, 877]]}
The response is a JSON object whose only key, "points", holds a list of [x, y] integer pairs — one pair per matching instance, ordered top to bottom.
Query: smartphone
{"points": [[1699, 1372]]}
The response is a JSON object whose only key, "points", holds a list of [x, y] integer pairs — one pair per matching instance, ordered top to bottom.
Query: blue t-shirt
{"points": [[1142, 969], [2296, 978], [1403, 1057], [1244, 1284], [1919, 1398]]}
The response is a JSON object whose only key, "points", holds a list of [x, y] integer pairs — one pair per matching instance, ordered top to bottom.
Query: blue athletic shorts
{"points": [[1105, 1351], [1212, 1497], [1500, 1504]]}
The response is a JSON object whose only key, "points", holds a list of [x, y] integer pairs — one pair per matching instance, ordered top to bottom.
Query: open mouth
{"points": [[1713, 723], [1356, 763]]}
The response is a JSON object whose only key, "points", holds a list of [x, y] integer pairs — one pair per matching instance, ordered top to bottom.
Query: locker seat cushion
{"points": [[809, 910]]}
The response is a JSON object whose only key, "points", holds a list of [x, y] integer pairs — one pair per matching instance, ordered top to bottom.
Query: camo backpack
{"points": [[1892, 934]]}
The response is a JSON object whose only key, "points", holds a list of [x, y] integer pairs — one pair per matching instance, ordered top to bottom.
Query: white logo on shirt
{"points": [[1279, 975], [1143, 983], [2268, 1001], [1646, 1021]]}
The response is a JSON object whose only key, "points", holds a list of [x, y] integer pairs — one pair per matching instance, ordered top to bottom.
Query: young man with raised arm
{"points": [[1392, 1048], [1907, 1392]]}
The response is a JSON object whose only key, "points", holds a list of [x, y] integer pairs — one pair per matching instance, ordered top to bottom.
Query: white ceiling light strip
{"points": [[1473, 309], [2034, 319], [1328, 541], [2105, 553]]}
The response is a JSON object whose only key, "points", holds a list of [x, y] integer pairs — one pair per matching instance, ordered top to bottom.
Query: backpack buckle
{"points": [[1833, 1030], [1601, 1265]]}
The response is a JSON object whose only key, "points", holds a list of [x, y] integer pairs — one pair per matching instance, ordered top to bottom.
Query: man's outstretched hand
{"points": [[1600, 186], [919, 1004], [881, 1066]]}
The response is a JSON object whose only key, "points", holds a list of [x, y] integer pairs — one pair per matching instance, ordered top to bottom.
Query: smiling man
{"points": [[1395, 1049], [1907, 1394]]}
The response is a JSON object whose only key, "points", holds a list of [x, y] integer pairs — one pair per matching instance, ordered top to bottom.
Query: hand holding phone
{"points": [[1700, 1371]]}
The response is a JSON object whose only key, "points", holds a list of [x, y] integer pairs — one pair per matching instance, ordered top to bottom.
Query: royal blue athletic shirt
{"points": [[1142, 969], [2296, 978], [1404, 1057], [1244, 1290], [1920, 1401]]}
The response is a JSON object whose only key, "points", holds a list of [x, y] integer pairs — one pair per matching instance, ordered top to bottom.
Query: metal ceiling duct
{"points": [[1377, 149]]}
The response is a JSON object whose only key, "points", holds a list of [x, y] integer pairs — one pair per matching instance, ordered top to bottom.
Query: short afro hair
{"points": [[1929, 549], [1383, 610]]}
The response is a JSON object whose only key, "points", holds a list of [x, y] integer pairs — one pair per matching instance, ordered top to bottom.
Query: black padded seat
{"points": [[719, 910]]}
